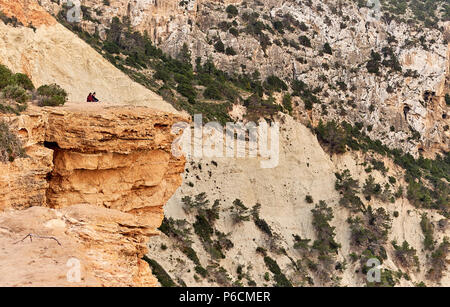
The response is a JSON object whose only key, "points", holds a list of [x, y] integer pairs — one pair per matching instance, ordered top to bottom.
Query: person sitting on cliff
{"points": [[89, 98], [94, 99]]}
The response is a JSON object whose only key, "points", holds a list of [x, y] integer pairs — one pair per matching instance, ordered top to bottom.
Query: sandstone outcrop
{"points": [[92, 188]]}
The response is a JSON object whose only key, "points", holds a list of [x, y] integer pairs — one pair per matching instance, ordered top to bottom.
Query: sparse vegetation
{"points": [[10, 145], [348, 188], [427, 229], [406, 255], [439, 261], [164, 279], [280, 279]]}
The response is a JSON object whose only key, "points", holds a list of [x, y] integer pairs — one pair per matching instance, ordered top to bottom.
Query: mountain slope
{"points": [[50, 53], [287, 195]]}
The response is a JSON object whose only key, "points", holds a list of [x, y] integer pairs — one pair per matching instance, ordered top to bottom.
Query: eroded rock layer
{"points": [[100, 179]]}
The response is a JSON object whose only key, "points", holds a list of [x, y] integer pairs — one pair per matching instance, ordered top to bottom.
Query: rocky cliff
{"points": [[399, 98], [93, 183], [206, 226]]}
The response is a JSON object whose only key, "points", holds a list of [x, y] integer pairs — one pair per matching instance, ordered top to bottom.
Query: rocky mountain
{"points": [[386, 69], [361, 94]]}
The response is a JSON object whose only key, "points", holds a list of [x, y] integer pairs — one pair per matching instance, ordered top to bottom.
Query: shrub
{"points": [[232, 11], [278, 25], [234, 32], [304, 40], [219, 46], [111, 47], [327, 49], [230, 51], [373, 65], [5, 76], [23, 81], [273, 83], [188, 91], [212, 92], [17, 93], [51, 95], [447, 99], [287, 102], [332, 135], [10, 145], [348, 187], [370, 187], [309, 199], [239, 212], [260, 223], [427, 229], [371, 231], [325, 243], [406, 254], [439, 261], [201, 271], [280, 278], [164, 279]]}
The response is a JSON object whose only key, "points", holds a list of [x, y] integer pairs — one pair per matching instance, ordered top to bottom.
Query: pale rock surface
{"points": [[53, 54], [304, 169]]}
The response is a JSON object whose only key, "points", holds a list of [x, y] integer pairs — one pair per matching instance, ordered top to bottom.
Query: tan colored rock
{"points": [[98, 188], [107, 244]]}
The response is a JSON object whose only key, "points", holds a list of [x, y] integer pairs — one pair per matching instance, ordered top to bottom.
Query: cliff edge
{"points": [[87, 196]]}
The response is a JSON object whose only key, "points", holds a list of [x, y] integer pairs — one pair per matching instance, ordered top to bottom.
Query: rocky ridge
{"points": [[94, 179]]}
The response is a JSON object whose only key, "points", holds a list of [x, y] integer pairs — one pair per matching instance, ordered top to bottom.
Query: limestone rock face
{"points": [[345, 88], [95, 181]]}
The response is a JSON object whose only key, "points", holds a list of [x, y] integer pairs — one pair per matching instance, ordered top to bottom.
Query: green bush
{"points": [[232, 11], [234, 32], [304, 40], [219, 46], [111, 47], [327, 48], [230, 51], [373, 65], [5, 76], [23, 81], [273, 83], [212, 92], [16, 93], [51, 95], [447, 99], [287, 102], [332, 136], [10, 145], [348, 188], [428, 232], [325, 243], [406, 254], [439, 261], [280, 278], [164, 279]]}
